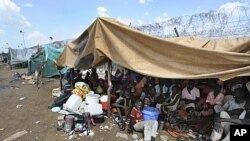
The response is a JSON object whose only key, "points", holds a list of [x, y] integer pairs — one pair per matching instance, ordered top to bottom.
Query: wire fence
{"points": [[213, 24]]}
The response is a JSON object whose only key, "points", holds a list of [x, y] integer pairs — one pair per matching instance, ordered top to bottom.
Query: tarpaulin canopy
{"points": [[240, 45], [48, 54], [21, 55], [187, 58]]}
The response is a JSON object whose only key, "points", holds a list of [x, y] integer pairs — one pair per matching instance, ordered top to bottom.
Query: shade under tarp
{"points": [[186, 58]]}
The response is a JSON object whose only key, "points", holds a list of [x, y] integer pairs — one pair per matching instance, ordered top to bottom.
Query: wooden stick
{"points": [[110, 87]]}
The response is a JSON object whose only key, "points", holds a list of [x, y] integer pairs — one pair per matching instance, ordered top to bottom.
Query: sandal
{"points": [[172, 133]]}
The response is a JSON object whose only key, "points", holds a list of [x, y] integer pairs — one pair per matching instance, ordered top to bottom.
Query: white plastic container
{"points": [[92, 98], [104, 98], [104, 102], [73, 103], [94, 109]]}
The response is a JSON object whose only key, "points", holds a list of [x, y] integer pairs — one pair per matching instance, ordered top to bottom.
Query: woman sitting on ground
{"points": [[215, 98]]}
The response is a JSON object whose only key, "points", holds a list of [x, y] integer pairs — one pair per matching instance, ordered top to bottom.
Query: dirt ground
{"points": [[34, 115]]}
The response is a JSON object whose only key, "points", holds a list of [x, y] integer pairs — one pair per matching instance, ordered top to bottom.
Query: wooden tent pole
{"points": [[72, 77], [61, 86], [110, 87]]}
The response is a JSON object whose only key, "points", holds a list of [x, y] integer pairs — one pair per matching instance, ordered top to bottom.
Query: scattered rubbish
{"points": [[16, 75], [27, 77], [31, 81], [7, 87], [14, 87], [56, 92], [22, 98], [18, 106], [56, 109], [64, 112], [61, 117], [37, 122], [101, 127], [1, 129], [71, 132], [85, 133], [91, 133], [81, 134], [16, 135], [122, 135], [71, 137], [135, 137], [164, 137], [37, 138]]}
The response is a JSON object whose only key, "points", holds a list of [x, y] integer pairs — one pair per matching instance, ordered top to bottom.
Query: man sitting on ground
{"points": [[191, 96], [234, 109]]}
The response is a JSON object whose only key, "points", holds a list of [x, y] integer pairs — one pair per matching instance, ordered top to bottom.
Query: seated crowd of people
{"points": [[193, 103]]}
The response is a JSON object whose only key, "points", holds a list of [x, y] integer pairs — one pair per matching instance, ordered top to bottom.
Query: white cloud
{"points": [[144, 1], [28, 5], [229, 6], [233, 8], [102, 12], [10, 14], [147, 14], [162, 18], [37, 38]]}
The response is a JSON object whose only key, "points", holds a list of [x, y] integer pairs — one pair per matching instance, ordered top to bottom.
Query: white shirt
{"points": [[192, 95]]}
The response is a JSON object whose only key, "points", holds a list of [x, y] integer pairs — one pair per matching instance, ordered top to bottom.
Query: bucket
{"points": [[92, 98], [104, 102], [73, 103], [104, 105], [94, 109], [150, 113], [68, 123]]}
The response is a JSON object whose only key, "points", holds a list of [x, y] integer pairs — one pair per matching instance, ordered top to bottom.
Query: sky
{"points": [[38, 20]]}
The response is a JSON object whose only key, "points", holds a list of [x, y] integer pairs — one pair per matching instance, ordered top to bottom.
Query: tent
{"points": [[48, 54], [18, 56], [3, 57], [187, 58]]}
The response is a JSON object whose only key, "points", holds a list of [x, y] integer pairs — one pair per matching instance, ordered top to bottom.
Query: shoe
{"points": [[172, 133], [182, 134], [191, 134], [152, 138]]}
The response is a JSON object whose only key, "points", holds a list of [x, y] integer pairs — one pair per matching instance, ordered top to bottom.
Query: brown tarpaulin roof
{"points": [[184, 57]]}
